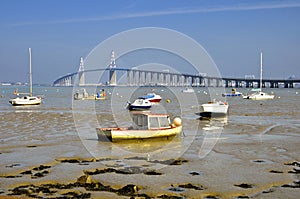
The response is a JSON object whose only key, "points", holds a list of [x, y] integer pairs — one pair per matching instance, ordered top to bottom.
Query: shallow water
{"points": [[255, 137]]}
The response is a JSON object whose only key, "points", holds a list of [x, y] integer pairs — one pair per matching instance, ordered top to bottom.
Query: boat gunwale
{"points": [[150, 114], [130, 129], [107, 135]]}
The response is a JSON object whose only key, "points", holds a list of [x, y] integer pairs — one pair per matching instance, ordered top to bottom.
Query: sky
{"points": [[233, 32]]}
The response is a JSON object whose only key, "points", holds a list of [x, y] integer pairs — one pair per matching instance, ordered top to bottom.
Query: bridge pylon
{"points": [[112, 71], [81, 73]]}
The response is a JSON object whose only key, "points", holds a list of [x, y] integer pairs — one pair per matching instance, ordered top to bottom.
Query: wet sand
{"points": [[256, 154], [245, 163]]}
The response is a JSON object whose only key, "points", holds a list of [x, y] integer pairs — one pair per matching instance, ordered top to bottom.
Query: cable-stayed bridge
{"points": [[136, 77]]}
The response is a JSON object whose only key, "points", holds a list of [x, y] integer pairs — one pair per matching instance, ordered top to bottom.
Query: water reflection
{"points": [[214, 123], [212, 129], [140, 146], [139, 149]]}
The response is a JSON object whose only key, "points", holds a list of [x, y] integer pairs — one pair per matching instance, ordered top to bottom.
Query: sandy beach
{"points": [[43, 156], [241, 165]]}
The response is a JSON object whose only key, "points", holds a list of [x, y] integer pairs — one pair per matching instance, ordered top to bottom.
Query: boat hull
{"points": [[231, 95], [259, 96], [155, 100], [25, 102], [136, 108], [213, 108], [211, 114], [115, 134]]}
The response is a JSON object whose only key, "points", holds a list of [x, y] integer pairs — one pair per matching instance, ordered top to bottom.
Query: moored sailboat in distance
{"points": [[259, 95], [28, 99]]}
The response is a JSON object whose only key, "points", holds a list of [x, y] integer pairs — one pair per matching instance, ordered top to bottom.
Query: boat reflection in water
{"points": [[212, 129], [145, 146], [139, 153]]}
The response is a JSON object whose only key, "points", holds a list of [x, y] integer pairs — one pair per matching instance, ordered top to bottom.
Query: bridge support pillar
{"points": [[112, 77]]}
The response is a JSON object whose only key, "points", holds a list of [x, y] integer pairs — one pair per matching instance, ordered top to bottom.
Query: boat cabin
{"points": [[146, 121]]}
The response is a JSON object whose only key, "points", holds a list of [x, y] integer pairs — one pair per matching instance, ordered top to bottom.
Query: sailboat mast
{"points": [[261, 60], [30, 73]]}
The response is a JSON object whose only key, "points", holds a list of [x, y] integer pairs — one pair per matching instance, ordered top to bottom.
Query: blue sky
{"points": [[233, 32]]}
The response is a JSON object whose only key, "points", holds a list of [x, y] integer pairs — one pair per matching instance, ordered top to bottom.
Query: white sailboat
{"points": [[259, 95], [27, 99]]}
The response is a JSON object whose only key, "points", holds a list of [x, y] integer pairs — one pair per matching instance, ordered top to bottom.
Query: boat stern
{"points": [[104, 134]]}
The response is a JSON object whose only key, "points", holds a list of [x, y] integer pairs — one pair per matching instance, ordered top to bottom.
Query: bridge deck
{"points": [[151, 78]]}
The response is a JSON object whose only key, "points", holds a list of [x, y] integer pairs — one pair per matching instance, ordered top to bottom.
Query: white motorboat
{"points": [[188, 90], [233, 93], [259, 95], [152, 97], [28, 99], [139, 104], [214, 109], [145, 126]]}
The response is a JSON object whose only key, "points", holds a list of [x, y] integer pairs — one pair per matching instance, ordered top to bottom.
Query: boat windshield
{"points": [[149, 95], [153, 121], [140, 122], [158, 122], [164, 122]]}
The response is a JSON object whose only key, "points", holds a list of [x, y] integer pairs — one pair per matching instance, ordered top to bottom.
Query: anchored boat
{"points": [[188, 90], [233, 93], [83, 95], [259, 95], [152, 97], [28, 99], [139, 104], [214, 109], [145, 125]]}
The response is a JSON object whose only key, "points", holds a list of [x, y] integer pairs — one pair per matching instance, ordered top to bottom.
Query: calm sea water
{"points": [[59, 99]]}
